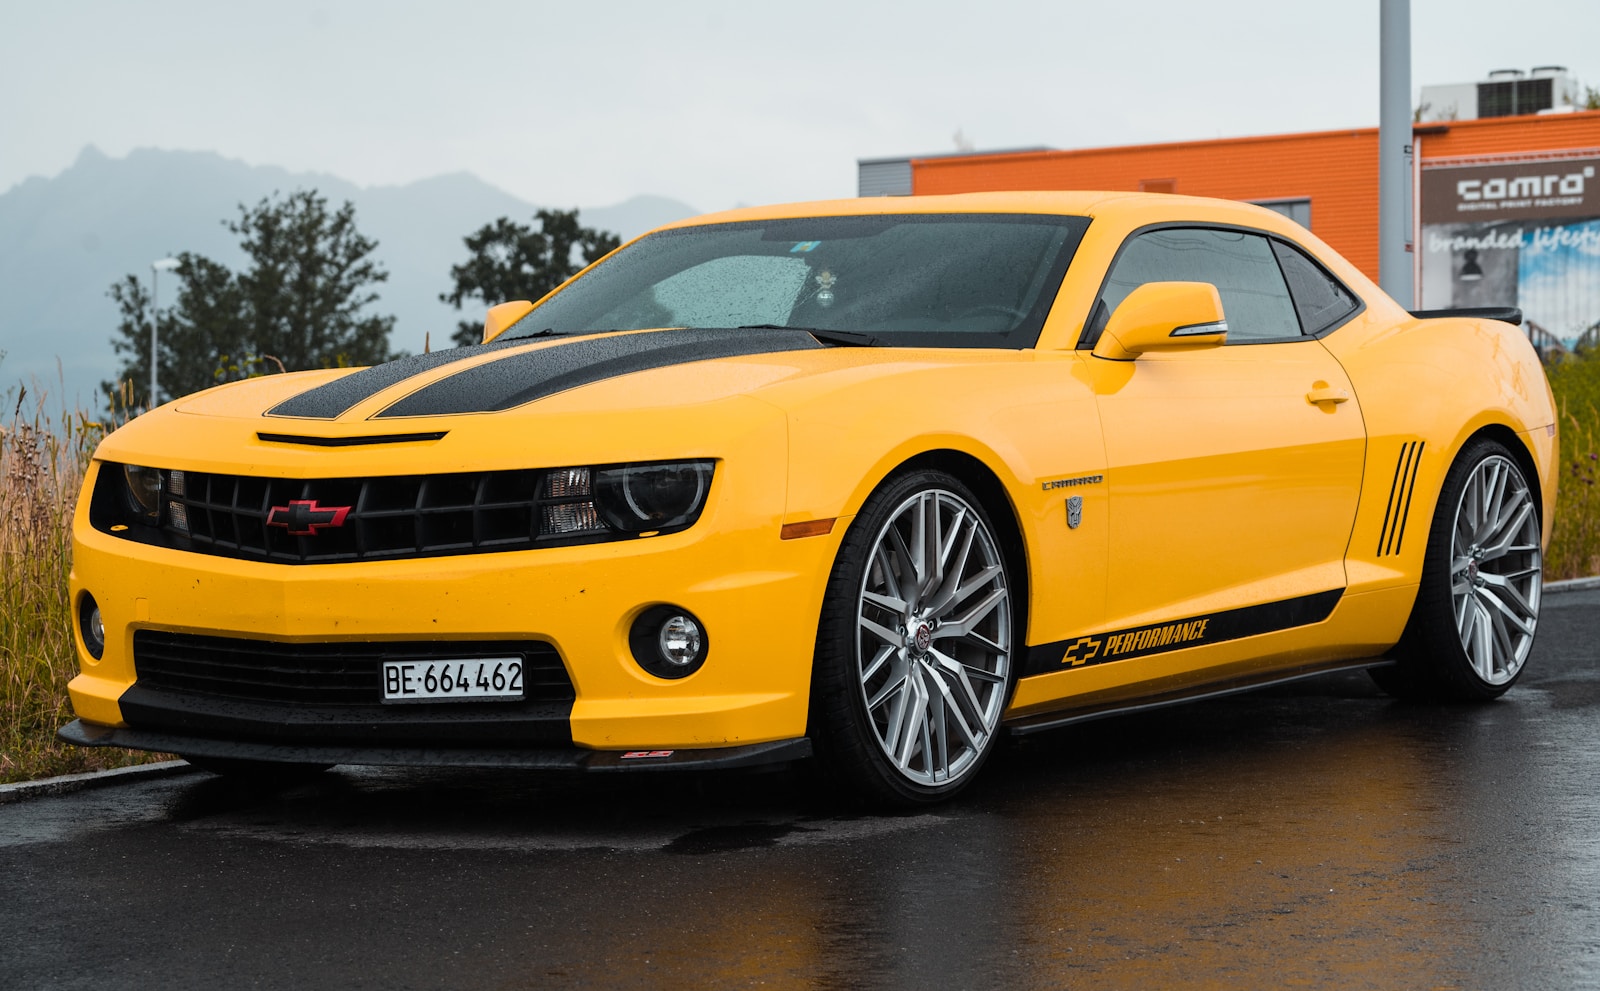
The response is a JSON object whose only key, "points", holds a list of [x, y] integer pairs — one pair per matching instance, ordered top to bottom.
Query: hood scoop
{"points": [[350, 441]]}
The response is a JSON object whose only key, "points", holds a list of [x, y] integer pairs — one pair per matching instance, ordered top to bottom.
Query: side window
{"points": [[1242, 266], [1320, 300]]}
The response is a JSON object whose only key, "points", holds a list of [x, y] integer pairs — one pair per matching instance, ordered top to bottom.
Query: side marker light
{"points": [[810, 528]]}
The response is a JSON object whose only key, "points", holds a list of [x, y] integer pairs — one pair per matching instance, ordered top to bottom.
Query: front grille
{"points": [[385, 517], [319, 673], [228, 688]]}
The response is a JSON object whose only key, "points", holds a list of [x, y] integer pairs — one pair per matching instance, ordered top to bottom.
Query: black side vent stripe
{"points": [[522, 378], [333, 399], [350, 441], [1398, 510], [1194, 631]]}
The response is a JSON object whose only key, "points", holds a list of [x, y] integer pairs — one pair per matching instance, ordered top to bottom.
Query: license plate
{"points": [[492, 678]]}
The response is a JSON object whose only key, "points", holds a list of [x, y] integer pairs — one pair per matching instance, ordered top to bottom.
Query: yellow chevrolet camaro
{"points": [[870, 481]]}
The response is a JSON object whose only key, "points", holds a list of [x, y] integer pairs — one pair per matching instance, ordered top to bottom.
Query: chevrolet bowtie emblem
{"points": [[303, 517]]}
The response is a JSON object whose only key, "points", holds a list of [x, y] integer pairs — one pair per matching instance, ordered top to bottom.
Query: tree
{"points": [[514, 261], [299, 303]]}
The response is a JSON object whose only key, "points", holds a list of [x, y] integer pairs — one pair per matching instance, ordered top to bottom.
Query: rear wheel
{"points": [[1477, 608], [914, 653]]}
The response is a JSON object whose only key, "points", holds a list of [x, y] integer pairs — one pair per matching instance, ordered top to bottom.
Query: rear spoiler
{"points": [[1505, 314]]}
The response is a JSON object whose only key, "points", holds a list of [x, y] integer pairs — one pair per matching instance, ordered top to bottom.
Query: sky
{"points": [[713, 103]]}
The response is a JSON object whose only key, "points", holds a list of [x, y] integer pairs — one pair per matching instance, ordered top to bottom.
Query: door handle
{"points": [[1322, 392]]}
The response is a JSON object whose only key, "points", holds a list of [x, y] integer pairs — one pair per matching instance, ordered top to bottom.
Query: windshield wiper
{"points": [[547, 332], [838, 338]]}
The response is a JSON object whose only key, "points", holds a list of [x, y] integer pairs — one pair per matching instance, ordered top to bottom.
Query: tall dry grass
{"points": [[42, 461]]}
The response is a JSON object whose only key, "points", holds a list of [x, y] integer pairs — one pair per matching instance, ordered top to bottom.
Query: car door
{"points": [[1233, 472]]}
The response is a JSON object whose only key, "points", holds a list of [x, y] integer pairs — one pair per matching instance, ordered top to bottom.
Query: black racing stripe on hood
{"points": [[523, 378], [333, 399]]}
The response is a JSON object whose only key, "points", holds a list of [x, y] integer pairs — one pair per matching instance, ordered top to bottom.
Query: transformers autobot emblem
{"points": [[825, 283], [1074, 511]]}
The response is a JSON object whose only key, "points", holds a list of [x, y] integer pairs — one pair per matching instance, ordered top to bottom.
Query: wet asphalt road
{"points": [[1314, 835]]}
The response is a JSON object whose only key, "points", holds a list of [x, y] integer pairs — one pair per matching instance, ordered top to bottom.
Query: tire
{"points": [[1477, 608], [910, 678], [266, 773]]}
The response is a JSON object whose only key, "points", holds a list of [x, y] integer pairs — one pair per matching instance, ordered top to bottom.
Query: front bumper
{"points": [[757, 596], [537, 758]]}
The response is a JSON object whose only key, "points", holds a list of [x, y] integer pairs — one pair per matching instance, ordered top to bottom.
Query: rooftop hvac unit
{"points": [[1505, 93]]}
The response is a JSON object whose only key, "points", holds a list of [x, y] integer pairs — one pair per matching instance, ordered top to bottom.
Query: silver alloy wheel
{"points": [[1495, 577], [933, 634]]}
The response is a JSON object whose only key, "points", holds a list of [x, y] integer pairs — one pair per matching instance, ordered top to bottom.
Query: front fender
{"points": [[1026, 417]]}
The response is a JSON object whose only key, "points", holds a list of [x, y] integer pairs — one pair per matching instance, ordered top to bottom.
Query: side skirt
{"points": [[1053, 720]]}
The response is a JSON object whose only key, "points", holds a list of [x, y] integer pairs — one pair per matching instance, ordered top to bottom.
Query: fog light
{"points": [[91, 626], [680, 640], [668, 642]]}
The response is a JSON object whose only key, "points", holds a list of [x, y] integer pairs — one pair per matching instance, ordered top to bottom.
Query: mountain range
{"points": [[65, 239]]}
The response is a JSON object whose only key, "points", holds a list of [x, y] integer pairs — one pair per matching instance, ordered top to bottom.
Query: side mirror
{"points": [[502, 316], [1164, 316]]}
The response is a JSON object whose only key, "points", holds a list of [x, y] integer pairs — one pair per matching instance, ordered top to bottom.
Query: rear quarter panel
{"points": [[1436, 383]]}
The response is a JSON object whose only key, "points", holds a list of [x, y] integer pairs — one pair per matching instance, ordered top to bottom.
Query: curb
{"points": [[1571, 585], [68, 783]]}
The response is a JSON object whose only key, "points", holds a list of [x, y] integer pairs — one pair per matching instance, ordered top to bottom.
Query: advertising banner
{"points": [[1523, 234]]}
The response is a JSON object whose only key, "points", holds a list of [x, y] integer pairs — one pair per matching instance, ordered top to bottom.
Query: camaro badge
{"points": [[1074, 511], [303, 517]]}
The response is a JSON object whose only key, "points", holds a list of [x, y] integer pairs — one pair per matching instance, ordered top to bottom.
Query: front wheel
{"points": [[1477, 608], [914, 661]]}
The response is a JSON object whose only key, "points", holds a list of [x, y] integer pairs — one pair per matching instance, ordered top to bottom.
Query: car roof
{"points": [[1077, 203]]}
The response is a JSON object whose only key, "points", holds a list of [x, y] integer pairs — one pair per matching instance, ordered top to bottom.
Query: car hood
{"points": [[489, 378], [621, 396]]}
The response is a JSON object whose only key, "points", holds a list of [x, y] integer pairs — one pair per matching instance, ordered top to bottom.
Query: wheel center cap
{"points": [[1472, 572], [922, 639]]}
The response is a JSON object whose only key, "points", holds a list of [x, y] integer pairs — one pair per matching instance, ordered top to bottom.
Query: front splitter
{"points": [[544, 758]]}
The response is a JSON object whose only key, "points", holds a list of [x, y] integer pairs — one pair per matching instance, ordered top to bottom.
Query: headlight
{"points": [[143, 489], [656, 496], [643, 497]]}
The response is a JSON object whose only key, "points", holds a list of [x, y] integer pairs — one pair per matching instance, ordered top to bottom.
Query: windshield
{"points": [[942, 280]]}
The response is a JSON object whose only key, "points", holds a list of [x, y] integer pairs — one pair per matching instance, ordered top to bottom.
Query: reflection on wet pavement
{"points": [[1314, 835]]}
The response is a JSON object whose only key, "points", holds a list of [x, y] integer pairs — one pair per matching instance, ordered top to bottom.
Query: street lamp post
{"points": [[1395, 219], [156, 268]]}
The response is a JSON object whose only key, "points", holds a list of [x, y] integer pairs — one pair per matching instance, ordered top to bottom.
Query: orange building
{"points": [[1328, 181]]}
